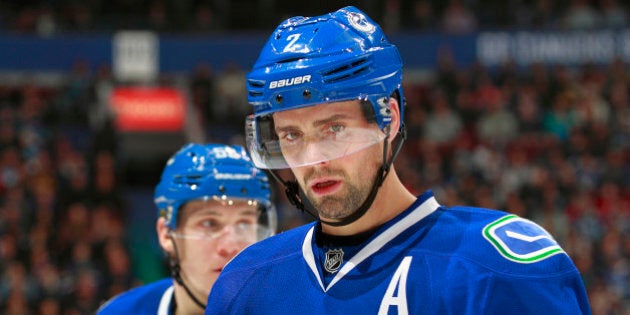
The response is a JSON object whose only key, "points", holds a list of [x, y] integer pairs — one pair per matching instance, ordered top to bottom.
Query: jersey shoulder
{"points": [[502, 241], [282, 246], [255, 262], [144, 299]]}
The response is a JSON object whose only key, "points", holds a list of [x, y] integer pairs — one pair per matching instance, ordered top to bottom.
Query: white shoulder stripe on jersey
{"points": [[376, 244], [165, 301]]}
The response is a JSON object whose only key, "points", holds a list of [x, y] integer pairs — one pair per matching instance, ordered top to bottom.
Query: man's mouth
{"points": [[325, 187]]}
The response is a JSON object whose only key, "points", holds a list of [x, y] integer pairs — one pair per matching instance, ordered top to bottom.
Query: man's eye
{"points": [[336, 128], [291, 136], [210, 225], [245, 226]]}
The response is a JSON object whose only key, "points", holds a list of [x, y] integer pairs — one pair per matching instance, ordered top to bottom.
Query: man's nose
{"points": [[314, 153], [229, 243]]}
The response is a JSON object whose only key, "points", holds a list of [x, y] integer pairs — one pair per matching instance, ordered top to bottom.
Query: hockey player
{"points": [[328, 105], [212, 203]]}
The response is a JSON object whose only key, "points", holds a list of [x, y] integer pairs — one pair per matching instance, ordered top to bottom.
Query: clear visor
{"points": [[296, 147], [239, 220]]}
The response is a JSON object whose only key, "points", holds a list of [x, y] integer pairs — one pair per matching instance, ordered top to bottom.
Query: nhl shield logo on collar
{"points": [[334, 259]]}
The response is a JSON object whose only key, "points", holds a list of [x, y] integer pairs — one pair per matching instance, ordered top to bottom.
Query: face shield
{"points": [[305, 142], [244, 221]]}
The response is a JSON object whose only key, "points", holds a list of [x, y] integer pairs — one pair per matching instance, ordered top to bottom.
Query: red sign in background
{"points": [[148, 109]]}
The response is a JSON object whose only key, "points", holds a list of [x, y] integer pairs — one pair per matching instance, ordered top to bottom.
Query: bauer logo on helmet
{"points": [[290, 81]]}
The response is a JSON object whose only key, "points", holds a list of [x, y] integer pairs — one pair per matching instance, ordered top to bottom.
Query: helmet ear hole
{"points": [[368, 111]]}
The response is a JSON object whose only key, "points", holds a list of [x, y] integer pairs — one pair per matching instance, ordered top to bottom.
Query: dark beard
{"points": [[343, 203], [338, 207]]}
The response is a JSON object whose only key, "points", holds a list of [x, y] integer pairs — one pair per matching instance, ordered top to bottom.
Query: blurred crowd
{"points": [[49, 18], [549, 143], [62, 232]]}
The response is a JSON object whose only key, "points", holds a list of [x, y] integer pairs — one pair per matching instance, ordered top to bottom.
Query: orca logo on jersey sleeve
{"points": [[520, 240]]}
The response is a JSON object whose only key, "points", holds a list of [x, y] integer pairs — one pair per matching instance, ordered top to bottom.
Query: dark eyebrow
{"points": [[316, 123], [205, 211], [249, 212], [217, 213]]}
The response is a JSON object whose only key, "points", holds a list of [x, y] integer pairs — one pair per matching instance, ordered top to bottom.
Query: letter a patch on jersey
{"points": [[521, 240], [396, 294]]}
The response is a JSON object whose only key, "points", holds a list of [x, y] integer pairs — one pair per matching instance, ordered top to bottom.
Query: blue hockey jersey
{"points": [[430, 259], [151, 299]]}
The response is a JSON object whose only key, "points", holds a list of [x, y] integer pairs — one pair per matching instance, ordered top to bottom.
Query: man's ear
{"points": [[394, 108], [163, 236]]}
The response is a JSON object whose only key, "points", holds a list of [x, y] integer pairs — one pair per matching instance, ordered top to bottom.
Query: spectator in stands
{"points": [[614, 14], [580, 15], [419, 16], [458, 18], [231, 105], [560, 119], [442, 125], [497, 125]]}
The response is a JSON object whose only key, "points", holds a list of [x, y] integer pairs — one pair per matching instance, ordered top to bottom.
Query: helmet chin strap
{"points": [[297, 198], [175, 273]]}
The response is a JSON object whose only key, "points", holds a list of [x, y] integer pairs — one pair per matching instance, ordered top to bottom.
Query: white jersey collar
{"points": [[420, 212], [165, 301]]}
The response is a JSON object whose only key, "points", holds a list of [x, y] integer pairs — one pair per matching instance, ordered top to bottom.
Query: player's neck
{"points": [[392, 199], [185, 305]]}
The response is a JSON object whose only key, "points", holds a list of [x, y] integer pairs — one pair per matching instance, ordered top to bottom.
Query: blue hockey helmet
{"points": [[307, 61], [212, 171]]}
